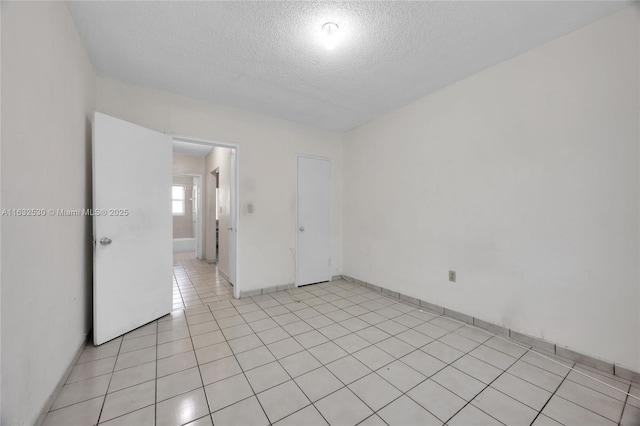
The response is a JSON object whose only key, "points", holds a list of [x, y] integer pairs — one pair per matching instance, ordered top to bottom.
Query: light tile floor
{"points": [[341, 355]]}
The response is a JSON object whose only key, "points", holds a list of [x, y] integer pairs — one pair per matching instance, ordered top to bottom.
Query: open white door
{"points": [[233, 220], [313, 221], [132, 275]]}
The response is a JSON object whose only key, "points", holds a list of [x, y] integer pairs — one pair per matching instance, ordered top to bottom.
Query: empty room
{"points": [[246, 213]]}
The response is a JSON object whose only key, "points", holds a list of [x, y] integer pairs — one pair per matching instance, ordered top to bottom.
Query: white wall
{"points": [[48, 94], [267, 157], [220, 158], [522, 178]]}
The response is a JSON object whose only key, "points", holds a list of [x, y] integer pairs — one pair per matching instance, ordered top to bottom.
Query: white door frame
{"points": [[315, 157], [235, 191], [199, 207]]}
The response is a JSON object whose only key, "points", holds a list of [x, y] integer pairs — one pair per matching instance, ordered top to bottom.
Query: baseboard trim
{"points": [[224, 275], [275, 288], [535, 342], [56, 391]]}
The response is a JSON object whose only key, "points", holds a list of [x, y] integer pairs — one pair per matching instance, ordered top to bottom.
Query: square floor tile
{"points": [[319, 321], [263, 324], [391, 327], [296, 328], [431, 330], [237, 331], [334, 331], [473, 333], [373, 334], [272, 335], [310, 339], [143, 342], [459, 342], [245, 343], [352, 343], [285, 347], [395, 347], [510, 348], [169, 349], [213, 352], [327, 352], [142, 356], [373, 357], [493, 357], [255, 358], [423, 362], [546, 362], [176, 363], [299, 363], [91, 369], [219, 369], [348, 369], [477, 369], [400, 375], [535, 375], [132, 376], [266, 376], [458, 382], [177, 383], [318, 383], [82, 391], [374, 391], [227, 392], [525, 392], [588, 398], [436, 399], [127, 400], [282, 400], [343, 407], [504, 408], [182, 409], [404, 411], [83, 413], [243, 413], [568, 413], [308, 416], [472, 416], [631, 416], [142, 417]]}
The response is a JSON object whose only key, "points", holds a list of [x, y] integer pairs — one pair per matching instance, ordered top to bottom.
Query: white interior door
{"points": [[233, 220], [314, 220], [132, 276]]}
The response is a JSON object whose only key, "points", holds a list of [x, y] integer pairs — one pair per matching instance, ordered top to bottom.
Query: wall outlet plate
{"points": [[452, 276]]}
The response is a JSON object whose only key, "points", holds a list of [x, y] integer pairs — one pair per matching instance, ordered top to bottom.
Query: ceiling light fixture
{"points": [[330, 36]]}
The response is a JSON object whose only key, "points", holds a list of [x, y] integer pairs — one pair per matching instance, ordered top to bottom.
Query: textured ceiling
{"points": [[268, 57]]}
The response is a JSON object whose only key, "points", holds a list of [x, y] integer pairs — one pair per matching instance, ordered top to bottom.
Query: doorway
{"points": [[216, 195], [186, 210], [313, 220]]}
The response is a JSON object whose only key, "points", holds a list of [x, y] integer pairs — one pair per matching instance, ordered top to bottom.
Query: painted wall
{"points": [[48, 95], [267, 157], [220, 158], [522, 178], [183, 226]]}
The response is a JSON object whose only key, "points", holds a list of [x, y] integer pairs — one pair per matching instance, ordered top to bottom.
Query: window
{"points": [[177, 200]]}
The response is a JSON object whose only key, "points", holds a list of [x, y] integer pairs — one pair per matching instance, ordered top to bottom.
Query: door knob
{"points": [[302, 229], [105, 241]]}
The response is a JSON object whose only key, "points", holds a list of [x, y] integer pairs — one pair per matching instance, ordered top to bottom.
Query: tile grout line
{"points": [[115, 361], [241, 369], [551, 397], [624, 405]]}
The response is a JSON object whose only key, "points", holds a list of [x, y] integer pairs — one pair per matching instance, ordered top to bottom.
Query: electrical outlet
{"points": [[452, 276]]}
